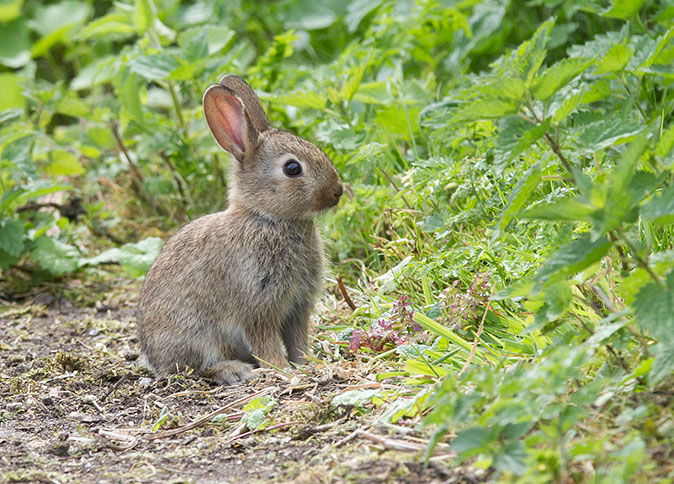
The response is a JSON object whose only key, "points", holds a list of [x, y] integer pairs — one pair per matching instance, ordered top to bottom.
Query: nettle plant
{"points": [[593, 134]]}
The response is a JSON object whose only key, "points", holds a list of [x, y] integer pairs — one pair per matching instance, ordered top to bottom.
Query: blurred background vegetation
{"points": [[506, 237]]}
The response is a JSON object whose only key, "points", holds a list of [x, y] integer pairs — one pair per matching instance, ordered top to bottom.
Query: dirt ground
{"points": [[75, 407]]}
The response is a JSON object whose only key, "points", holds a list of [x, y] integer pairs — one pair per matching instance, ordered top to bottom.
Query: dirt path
{"points": [[75, 408]]}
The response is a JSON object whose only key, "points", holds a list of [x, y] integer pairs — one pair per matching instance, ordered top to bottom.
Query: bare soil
{"points": [[75, 407]]}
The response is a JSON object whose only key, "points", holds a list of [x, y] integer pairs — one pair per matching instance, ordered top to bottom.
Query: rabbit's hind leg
{"points": [[229, 372]]}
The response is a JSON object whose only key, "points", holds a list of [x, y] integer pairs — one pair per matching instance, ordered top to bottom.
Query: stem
{"points": [[176, 104]]}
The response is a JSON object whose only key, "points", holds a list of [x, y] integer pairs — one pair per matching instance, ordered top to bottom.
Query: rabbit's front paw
{"points": [[232, 372]]}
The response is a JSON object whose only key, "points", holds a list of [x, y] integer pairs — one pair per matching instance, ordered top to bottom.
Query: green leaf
{"points": [[10, 9], [623, 9], [357, 11], [144, 14], [310, 15], [55, 23], [113, 25], [217, 37], [14, 44], [529, 56], [615, 59], [154, 67], [100, 71], [558, 76], [128, 86], [512, 88], [373, 93], [12, 96], [301, 99], [479, 110], [560, 111], [606, 132], [517, 136], [665, 147], [64, 163], [625, 169], [521, 194], [661, 208], [563, 210], [11, 237], [55, 256], [137, 258], [572, 258], [654, 310], [663, 365], [418, 367], [255, 411], [470, 441], [512, 458]]}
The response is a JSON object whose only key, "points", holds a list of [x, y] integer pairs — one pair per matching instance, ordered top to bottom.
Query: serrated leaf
{"points": [[623, 9], [117, 25], [529, 56], [615, 59], [154, 67], [558, 76], [353, 80], [511, 88], [373, 93], [479, 110], [560, 111], [606, 132], [515, 139], [665, 147], [625, 169], [520, 194], [660, 209], [563, 210], [11, 237], [55, 256], [572, 258], [654, 309], [663, 365], [470, 441], [511, 459]]}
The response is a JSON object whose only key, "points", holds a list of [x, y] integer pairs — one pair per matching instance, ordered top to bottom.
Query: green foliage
{"points": [[480, 141]]}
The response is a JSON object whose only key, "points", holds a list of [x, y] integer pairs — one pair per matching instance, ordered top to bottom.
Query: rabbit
{"points": [[238, 285]]}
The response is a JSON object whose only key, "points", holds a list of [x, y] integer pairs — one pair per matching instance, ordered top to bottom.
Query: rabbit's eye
{"points": [[292, 168]]}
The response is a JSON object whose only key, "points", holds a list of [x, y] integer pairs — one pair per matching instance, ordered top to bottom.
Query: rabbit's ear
{"points": [[242, 89], [229, 122]]}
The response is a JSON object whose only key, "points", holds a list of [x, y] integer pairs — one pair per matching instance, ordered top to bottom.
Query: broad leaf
{"points": [[558, 76], [661, 208], [11, 237], [55, 256], [574, 257], [654, 310]]}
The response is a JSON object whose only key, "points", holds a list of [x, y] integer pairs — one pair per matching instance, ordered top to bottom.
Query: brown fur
{"points": [[239, 284]]}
